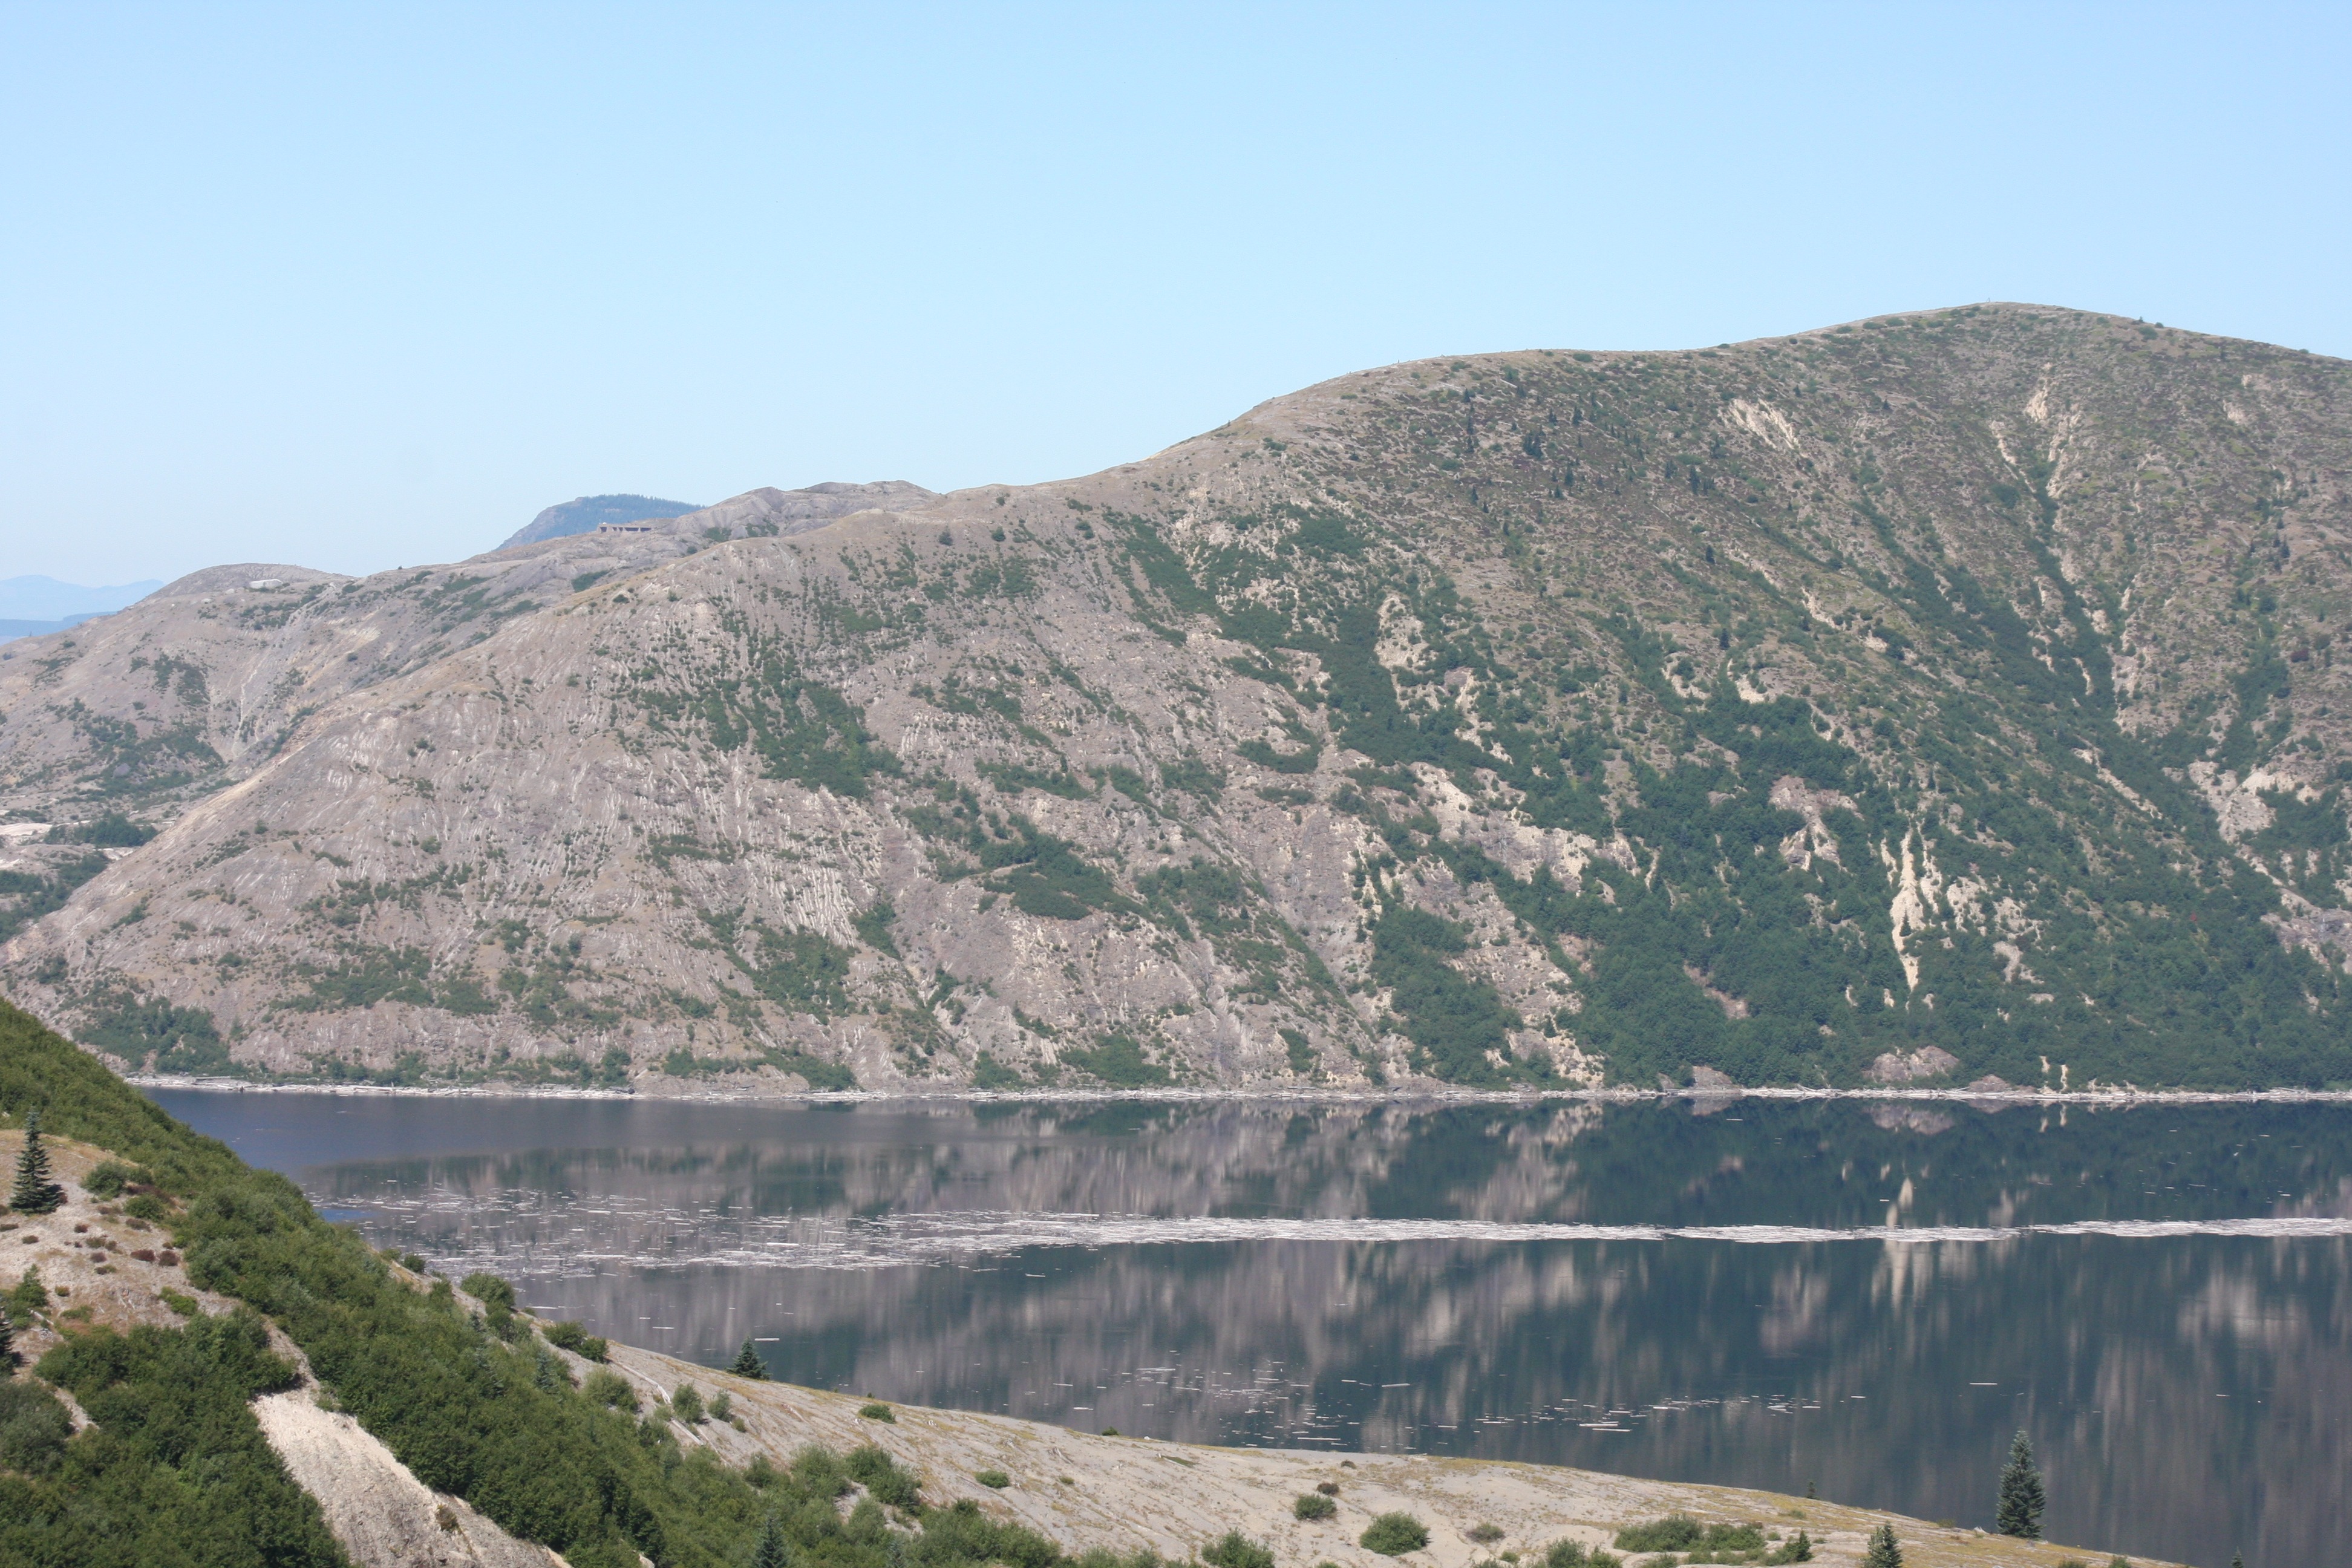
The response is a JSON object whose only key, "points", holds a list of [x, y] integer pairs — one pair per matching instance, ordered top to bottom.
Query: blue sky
{"points": [[358, 287]]}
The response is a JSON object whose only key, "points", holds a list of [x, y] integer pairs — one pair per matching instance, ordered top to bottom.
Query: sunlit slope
{"points": [[1938, 697]]}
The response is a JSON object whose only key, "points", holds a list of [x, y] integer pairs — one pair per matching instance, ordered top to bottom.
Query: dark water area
{"points": [[1868, 1298]]}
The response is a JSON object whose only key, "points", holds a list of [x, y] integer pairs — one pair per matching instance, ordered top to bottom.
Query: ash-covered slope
{"points": [[1931, 697]]}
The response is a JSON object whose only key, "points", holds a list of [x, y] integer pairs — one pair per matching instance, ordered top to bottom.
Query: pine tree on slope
{"points": [[35, 1193], [748, 1363], [2021, 1498], [771, 1552], [1883, 1552]]}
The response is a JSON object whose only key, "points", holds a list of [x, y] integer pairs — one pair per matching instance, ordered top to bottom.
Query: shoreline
{"points": [[1711, 1096]]}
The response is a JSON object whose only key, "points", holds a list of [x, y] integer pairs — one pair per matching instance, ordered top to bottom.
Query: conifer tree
{"points": [[35, 1193], [7, 1341], [748, 1363], [2021, 1498], [1882, 1551], [771, 1552]]}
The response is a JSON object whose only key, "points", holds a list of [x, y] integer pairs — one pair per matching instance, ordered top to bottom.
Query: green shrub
{"points": [[1118, 1061], [108, 1178], [489, 1290], [28, 1295], [571, 1336], [610, 1390], [687, 1405], [722, 1407], [877, 1412], [33, 1428], [818, 1471], [880, 1475], [997, 1480], [1313, 1505], [963, 1533], [1675, 1533], [1486, 1534], [1394, 1535], [1235, 1550], [1572, 1554]]}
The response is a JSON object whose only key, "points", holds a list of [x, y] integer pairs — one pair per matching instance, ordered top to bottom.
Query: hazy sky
{"points": [[359, 287]]}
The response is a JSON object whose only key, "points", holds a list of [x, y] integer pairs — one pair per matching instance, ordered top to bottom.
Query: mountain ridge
{"points": [[585, 513], [1867, 704]]}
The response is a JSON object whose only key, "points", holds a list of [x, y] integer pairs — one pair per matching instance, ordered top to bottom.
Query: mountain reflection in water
{"points": [[1710, 1293]]}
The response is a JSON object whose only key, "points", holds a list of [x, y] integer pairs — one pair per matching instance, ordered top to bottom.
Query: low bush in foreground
{"points": [[1394, 1535], [1235, 1550]]}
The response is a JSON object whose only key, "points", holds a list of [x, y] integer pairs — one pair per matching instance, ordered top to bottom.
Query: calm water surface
{"points": [[2162, 1295]]}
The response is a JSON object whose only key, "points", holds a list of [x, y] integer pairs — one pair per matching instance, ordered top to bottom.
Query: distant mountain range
{"points": [[584, 514], [35, 605], [1926, 699]]}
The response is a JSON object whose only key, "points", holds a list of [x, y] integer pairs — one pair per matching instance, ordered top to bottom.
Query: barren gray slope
{"points": [[1885, 699]]}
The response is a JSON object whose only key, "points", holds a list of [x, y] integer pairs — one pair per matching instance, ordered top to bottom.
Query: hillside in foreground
{"points": [[1924, 700], [217, 1378]]}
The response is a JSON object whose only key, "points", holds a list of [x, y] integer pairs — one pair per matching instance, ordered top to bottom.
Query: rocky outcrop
{"points": [[1925, 1065]]}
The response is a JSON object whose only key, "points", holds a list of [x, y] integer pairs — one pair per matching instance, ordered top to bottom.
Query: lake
{"points": [[2162, 1294]]}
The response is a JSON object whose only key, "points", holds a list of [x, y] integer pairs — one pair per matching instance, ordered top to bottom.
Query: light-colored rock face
{"points": [[1811, 695], [533, 847], [1921, 1066], [380, 1512]]}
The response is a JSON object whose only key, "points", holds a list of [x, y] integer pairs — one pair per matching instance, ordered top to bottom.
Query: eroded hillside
{"points": [[1938, 697]]}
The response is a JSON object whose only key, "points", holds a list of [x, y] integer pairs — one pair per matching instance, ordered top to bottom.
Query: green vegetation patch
{"points": [[800, 729], [1010, 778], [111, 831], [1044, 875], [29, 896], [873, 924], [805, 971], [369, 973], [1454, 1021], [160, 1035], [1118, 1061], [988, 1073], [175, 1468], [1681, 1532], [1394, 1535], [1235, 1550]]}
